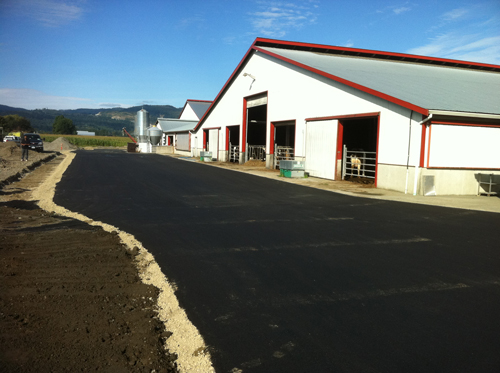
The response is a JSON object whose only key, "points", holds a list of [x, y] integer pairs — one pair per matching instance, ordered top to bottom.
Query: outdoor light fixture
{"points": [[251, 76]]}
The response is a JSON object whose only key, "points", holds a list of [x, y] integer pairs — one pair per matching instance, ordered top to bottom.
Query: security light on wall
{"points": [[250, 76]]}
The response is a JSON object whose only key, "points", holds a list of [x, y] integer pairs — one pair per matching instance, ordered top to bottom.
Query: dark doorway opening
{"points": [[256, 132], [283, 135], [233, 143], [359, 149]]}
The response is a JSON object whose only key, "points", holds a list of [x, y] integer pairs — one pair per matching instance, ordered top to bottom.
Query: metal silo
{"points": [[141, 125], [154, 134]]}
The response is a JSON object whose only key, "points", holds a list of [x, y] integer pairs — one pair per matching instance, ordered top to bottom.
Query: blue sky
{"points": [[68, 54]]}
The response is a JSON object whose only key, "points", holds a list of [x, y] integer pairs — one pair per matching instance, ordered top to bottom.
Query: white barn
{"points": [[411, 121], [177, 132]]}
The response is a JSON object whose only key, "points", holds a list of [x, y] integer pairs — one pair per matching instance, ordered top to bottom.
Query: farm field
{"points": [[82, 141]]}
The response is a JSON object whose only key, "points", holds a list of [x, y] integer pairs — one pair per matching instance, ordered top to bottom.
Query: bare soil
{"points": [[71, 298]]}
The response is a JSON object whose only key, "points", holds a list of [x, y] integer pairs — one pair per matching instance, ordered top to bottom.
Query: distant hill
{"points": [[102, 121]]}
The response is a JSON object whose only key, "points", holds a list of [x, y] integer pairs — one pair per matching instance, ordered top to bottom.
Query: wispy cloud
{"points": [[395, 9], [402, 9], [49, 13], [454, 14], [276, 19], [194, 21], [464, 34], [462, 47], [33, 99]]}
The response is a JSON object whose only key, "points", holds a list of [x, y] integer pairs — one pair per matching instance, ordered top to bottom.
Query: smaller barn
{"points": [[177, 132]]}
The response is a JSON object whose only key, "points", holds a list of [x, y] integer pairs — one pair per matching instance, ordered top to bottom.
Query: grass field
{"points": [[82, 141]]}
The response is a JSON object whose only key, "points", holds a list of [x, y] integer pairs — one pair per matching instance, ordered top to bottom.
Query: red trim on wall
{"points": [[349, 83], [257, 94], [334, 117], [467, 124], [227, 138], [271, 138], [204, 140], [340, 141], [422, 146], [429, 146]]}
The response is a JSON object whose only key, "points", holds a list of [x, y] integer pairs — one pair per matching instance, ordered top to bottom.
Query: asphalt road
{"points": [[284, 278]]}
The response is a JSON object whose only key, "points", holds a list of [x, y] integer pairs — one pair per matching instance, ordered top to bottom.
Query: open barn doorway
{"points": [[256, 124], [282, 141], [233, 143], [358, 143]]}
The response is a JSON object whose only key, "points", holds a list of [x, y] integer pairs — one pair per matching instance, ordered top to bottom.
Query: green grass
{"points": [[82, 141]]}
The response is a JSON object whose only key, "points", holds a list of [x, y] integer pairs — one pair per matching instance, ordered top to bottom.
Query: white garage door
{"points": [[182, 141], [213, 143], [321, 144]]}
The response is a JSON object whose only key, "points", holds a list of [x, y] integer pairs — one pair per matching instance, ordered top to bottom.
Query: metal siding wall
{"points": [[183, 141], [321, 143], [464, 146]]}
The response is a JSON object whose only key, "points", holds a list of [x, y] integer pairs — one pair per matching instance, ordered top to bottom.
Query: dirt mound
{"points": [[59, 144], [7, 149]]}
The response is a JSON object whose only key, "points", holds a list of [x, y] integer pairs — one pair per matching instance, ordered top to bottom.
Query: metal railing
{"points": [[257, 152], [234, 153], [283, 153], [359, 163]]}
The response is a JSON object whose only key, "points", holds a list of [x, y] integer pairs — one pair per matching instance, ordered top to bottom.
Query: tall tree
{"points": [[15, 123], [63, 126]]}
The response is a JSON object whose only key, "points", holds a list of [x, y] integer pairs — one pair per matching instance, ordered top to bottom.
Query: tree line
{"points": [[16, 123], [104, 124]]}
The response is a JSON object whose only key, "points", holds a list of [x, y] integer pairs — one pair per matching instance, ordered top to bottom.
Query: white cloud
{"points": [[395, 9], [401, 10], [50, 13], [454, 14], [277, 18], [465, 34], [463, 47], [33, 99]]}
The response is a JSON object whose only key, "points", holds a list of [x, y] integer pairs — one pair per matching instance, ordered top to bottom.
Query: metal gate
{"points": [[257, 152], [234, 153], [283, 153], [359, 163]]}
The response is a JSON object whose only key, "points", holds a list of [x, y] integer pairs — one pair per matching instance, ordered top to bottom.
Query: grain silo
{"points": [[141, 125]]}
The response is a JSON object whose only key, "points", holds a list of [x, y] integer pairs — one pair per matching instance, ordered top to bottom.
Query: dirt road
{"points": [[70, 295]]}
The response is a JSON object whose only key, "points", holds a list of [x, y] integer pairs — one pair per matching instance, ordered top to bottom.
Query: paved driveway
{"points": [[284, 278]]}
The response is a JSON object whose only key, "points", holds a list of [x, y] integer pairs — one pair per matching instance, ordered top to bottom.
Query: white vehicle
{"points": [[12, 138]]}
